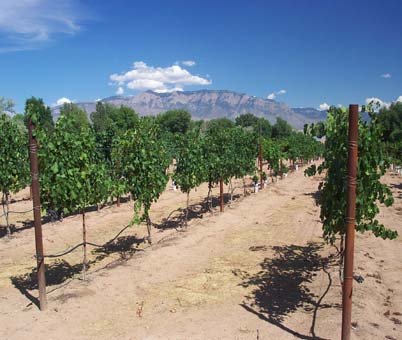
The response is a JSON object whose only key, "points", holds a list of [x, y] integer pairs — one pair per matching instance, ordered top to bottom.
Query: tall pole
{"points": [[33, 156], [260, 161], [118, 174], [222, 203], [350, 223], [84, 244]]}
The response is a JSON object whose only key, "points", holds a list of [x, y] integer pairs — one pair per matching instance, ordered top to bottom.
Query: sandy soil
{"points": [[260, 270]]}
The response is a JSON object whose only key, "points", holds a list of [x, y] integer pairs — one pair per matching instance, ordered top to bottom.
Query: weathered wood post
{"points": [[33, 156]]}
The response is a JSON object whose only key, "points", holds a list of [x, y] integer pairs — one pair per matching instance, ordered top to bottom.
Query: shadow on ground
{"points": [[398, 189], [316, 195], [51, 217], [177, 218], [14, 229], [123, 245], [126, 246], [60, 271], [56, 273], [281, 286]]}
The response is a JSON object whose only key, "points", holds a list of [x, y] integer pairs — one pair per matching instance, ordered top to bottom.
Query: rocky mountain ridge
{"points": [[210, 104]]}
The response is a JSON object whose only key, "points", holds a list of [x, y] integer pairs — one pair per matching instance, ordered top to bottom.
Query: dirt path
{"points": [[257, 271]]}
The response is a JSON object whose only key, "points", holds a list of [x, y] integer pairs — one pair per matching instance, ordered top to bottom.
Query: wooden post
{"points": [[33, 156], [260, 161], [118, 170], [4, 203], [222, 203], [187, 204], [350, 223], [149, 229], [84, 245]]}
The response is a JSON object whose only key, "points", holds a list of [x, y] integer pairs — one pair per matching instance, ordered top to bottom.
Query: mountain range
{"points": [[209, 104]]}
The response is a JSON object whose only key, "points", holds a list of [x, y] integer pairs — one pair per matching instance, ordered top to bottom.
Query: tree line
{"points": [[83, 164]]}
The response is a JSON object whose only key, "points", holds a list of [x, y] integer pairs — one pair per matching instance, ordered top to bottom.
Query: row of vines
{"points": [[81, 167]]}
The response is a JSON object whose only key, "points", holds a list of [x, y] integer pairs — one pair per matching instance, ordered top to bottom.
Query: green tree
{"points": [[6, 105], [42, 111], [78, 115], [102, 117], [109, 118], [19, 119], [246, 120], [390, 120], [174, 121], [110, 123], [219, 124], [197, 125], [260, 126], [263, 128], [281, 129], [305, 129], [318, 129], [229, 152], [243, 152], [272, 154], [144, 161], [372, 164], [14, 166], [190, 167], [72, 176]]}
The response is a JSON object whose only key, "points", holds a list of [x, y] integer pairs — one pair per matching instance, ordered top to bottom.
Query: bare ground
{"points": [[260, 271]]}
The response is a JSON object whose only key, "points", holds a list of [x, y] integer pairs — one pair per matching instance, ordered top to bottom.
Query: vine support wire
{"points": [[33, 157], [350, 222]]}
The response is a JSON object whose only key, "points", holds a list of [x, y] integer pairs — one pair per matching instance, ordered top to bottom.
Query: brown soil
{"points": [[260, 270]]}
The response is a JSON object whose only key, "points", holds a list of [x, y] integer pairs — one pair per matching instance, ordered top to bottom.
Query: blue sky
{"points": [[302, 52]]}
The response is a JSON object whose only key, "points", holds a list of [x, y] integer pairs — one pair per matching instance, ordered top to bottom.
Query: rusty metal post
{"points": [[33, 156], [260, 161], [221, 194], [350, 222]]}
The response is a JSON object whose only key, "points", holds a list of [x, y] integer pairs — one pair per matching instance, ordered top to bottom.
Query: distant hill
{"points": [[210, 104], [311, 113]]}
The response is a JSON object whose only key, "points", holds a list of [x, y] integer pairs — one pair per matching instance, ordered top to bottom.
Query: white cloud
{"points": [[28, 24], [188, 63], [386, 75], [158, 79], [169, 90], [120, 91], [273, 95], [62, 100], [377, 101], [323, 107]]}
